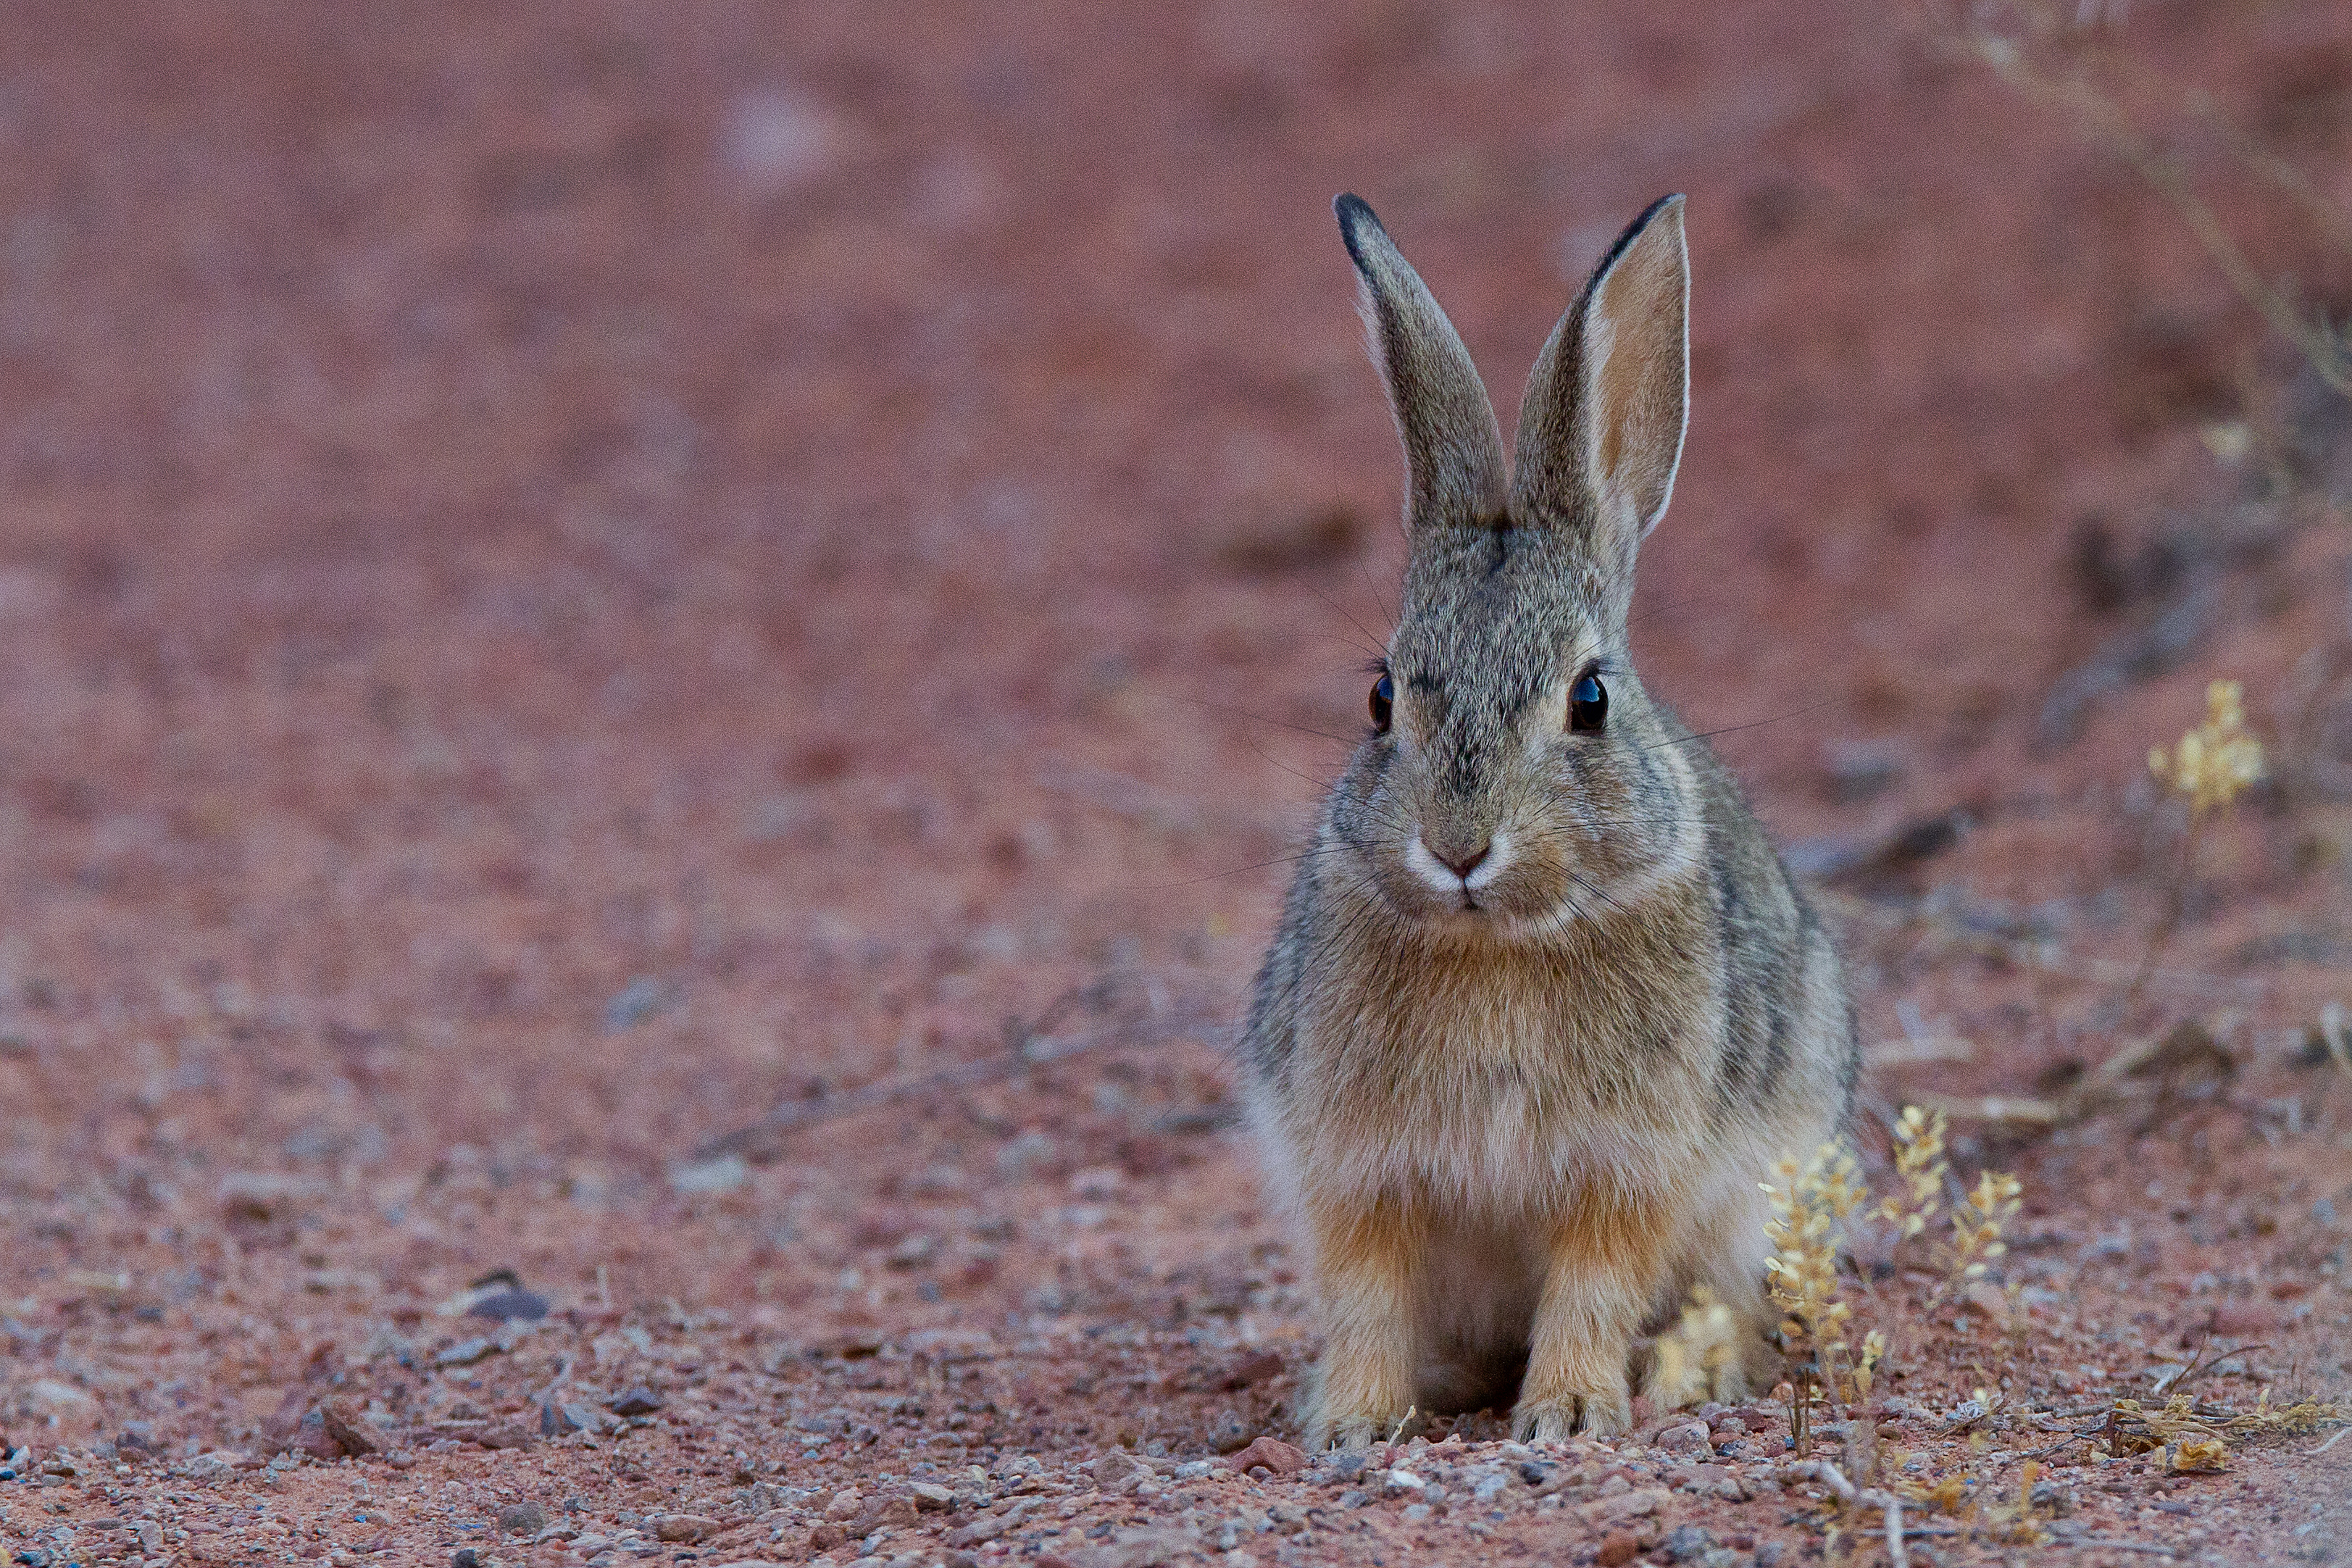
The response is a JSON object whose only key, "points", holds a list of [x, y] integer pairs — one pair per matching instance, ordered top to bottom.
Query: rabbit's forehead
{"points": [[1492, 649]]}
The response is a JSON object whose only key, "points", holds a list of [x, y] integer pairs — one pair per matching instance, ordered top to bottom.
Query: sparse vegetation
{"points": [[2209, 768]]}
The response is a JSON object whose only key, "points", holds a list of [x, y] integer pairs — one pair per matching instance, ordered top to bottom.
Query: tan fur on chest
{"points": [[1494, 1083]]}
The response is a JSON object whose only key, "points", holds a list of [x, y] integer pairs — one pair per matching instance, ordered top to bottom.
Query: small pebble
{"points": [[500, 1306], [638, 1401], [1685, 1437], [522, 1518], [1686, 1542]]}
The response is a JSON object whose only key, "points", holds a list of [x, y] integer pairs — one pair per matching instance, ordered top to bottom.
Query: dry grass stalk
{"points": [[2010, 57], [2208, 767], [1920, 1166], [1809, 1206], [1698, 1354]]}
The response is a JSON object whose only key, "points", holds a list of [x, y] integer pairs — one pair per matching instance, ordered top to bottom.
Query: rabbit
{"points": [[1544, 1006]]}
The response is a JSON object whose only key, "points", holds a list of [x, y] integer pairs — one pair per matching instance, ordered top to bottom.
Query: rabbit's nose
{"points": [[1463, 865]]}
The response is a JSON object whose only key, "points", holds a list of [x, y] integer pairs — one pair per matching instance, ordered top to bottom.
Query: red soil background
{"points": [[579, 581]]}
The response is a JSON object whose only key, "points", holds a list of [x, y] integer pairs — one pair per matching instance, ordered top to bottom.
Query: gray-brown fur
{"points": [[1522, 1103]]}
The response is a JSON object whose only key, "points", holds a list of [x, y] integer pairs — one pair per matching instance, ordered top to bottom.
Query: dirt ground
{"points": [[675, 649]]}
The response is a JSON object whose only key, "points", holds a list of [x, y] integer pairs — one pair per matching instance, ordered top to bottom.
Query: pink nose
{"points": [[1464, 864]]}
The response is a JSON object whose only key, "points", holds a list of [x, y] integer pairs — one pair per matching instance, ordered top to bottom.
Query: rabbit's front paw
{"points": [[1589, 1412], [1350, 1430]]}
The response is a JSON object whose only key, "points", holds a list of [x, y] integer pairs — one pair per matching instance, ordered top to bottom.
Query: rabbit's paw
{"points": [[1593, 1413], [1350, 1428]]}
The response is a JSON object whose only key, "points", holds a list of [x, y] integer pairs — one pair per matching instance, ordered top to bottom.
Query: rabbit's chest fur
{"points": [[1493, 1082]]}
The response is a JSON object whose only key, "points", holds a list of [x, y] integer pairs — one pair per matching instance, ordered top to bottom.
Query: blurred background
{"points": [[582, 587]]}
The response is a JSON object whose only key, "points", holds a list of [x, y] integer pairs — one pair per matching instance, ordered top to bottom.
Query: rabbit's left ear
{"points": [[1601, 428]]}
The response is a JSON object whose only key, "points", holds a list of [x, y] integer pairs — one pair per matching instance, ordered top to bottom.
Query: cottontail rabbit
{"points": [[1545, 1005]]}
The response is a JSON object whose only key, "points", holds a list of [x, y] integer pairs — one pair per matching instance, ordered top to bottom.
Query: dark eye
{"points": [[1383, 703], [1588, 705]]}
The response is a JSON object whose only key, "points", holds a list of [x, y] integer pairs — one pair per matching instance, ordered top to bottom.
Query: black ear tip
{"points": [[1355, 213]]}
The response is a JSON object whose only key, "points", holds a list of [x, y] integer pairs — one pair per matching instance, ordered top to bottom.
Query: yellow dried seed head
{"points": [[2212, 764], [1919, 1165], [1808, 1207], [1978, 1222], [1694, 1354]]}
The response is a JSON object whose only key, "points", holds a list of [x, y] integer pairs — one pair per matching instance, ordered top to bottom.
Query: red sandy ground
{"points": [[573, 576]]}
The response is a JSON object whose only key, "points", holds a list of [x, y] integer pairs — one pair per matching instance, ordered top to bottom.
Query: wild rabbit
{"points": [[1545, 1005]]}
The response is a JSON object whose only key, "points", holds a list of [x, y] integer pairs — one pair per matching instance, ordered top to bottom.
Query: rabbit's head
{"points": [[1517, 777]]}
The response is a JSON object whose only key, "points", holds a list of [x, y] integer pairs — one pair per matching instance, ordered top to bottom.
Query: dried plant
{"points": [[2031, 58], [2218, 760], [2208, 767], [1920, 1166], [1809, 1208], [1978, 1222], [1697, 1355], [1865, 1366], [2303, 1416], [2193, 1454]]}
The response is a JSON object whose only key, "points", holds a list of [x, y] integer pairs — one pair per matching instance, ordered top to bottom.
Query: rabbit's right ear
{"points": [[1453, 447]]}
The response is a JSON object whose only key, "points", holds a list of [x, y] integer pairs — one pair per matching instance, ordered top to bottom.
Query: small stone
{"points": [[640, 999], [705, 1178], [914, 1252], [527, 1306], [465, 1353], [1254, 1368], [637, 1401], [343, 1425], [1229, 1432], [509, 1434], [311, 1437], [1685, 1437], [1273, 1453], [1114, 1467], [1402, 1483], [932, 1498], [1632, 1504], [884, 1513], [522, 1518], [681, 1527], [1686, 1541], [1617, 1549], [467, 1557]]}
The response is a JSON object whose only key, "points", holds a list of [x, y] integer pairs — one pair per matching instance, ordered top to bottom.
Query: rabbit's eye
{"points": [[1383, 704], [1588, 705]]}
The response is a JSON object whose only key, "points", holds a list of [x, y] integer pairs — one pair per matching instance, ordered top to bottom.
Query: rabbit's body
{"points": [[1544, 1007]]}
